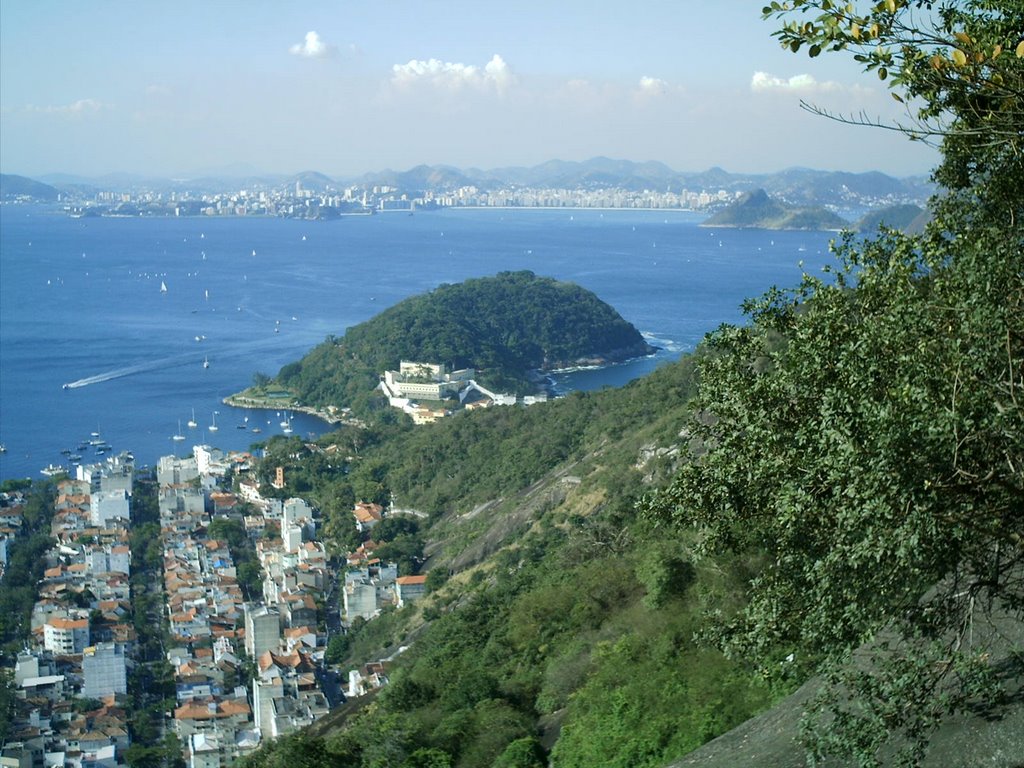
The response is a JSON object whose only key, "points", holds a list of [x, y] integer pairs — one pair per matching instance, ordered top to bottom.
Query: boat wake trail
{"points": [[177, 361], [131, 370]]}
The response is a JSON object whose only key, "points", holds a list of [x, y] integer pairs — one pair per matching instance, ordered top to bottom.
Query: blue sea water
{"points": [[81, 304]]}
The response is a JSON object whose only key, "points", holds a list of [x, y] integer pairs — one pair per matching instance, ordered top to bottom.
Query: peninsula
{"points": [[510, 328]]}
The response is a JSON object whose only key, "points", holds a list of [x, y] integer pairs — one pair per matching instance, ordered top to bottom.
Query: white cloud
{"points": [[312, 47], [495, 74], [762, 81], [652, 85], [78, 108]]}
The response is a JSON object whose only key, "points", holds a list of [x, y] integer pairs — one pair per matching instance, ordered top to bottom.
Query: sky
{"points": [[194, 87]]}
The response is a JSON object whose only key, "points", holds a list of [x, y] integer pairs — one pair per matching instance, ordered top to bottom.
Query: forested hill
{"points": [[12, 187], [757, 210], [504, 326]]}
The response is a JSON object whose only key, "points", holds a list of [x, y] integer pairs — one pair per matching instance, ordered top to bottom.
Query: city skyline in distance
{"points": [[350, 89]]}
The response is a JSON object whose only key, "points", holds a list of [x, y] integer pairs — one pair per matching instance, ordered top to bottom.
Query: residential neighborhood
{"points": [[240, 599]]}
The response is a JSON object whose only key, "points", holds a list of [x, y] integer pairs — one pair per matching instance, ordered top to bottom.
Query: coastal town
{"points": [[596, 184], [326, 202], [218, 627]]}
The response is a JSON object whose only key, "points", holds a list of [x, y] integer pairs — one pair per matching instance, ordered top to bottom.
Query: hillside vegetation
{"points": [[756, 210], [907, 218], [504, 326], [866, 432], [832, 491], [561, 623]]}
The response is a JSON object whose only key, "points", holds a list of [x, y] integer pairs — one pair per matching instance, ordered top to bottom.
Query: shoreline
{"points": [[240, 400]]}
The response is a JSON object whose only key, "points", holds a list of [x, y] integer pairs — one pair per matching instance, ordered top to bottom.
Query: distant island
{"points": [[756, 210], [510, 328]]}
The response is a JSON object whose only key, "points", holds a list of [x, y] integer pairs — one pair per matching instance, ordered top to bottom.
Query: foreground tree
{"points": [[865, 434]]}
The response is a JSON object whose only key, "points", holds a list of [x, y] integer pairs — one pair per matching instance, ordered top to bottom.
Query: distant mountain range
{"points": [[795, 185], [801, 186], [759, 210]]}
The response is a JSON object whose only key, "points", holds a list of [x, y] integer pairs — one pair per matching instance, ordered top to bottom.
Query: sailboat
{"points": [[163, 287], [206, 362], [192, 423], [213, 427], [286, 427], [178, 435]]}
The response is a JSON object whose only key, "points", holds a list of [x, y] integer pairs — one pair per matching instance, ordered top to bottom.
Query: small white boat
{"points": [[163, 287], [206, 362], [192, 423], [213, 427], [177, 437], [52, 469]]}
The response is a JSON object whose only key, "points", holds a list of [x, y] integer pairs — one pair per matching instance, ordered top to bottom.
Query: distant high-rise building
{"points": [[262, 629]]}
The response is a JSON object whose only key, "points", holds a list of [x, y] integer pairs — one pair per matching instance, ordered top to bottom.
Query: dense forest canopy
{"points": [[504, 326], [866, 432]]}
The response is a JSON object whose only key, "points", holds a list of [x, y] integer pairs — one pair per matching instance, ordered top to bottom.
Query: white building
{"points": [[425, 381], [209, 461], [172, 470], [114, 474], [107, 506], [297, 524], [110, 559], [409, 588], [360, 599], [262, 629], [65, 636], [104, 670]]}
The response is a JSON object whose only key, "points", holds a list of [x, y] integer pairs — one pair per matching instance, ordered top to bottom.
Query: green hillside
{"points": [[756, 210], [902, 217], [504, 326], [828, 496], [557, 613]]}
